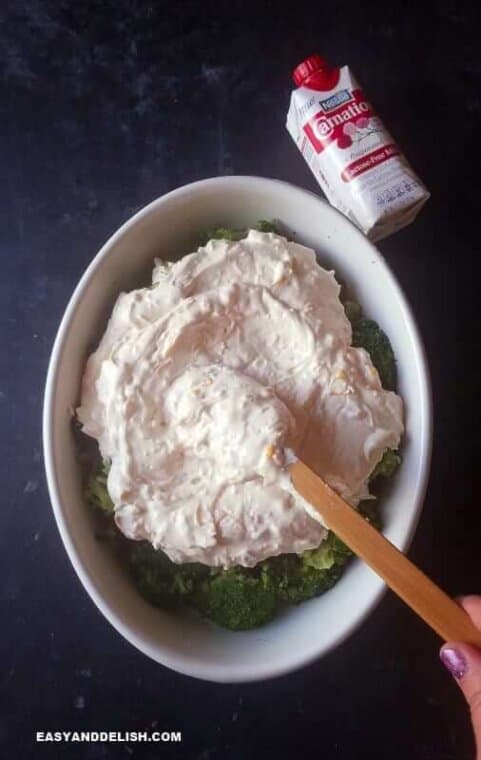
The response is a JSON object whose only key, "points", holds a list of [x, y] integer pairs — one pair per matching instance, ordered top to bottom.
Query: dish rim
{"points": [[203, 671]]}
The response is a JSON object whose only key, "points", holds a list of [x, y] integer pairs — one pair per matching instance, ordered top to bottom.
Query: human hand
{"points": [[464, 663]]}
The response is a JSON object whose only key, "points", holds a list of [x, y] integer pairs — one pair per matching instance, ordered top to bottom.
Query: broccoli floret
{"points": [[264, 225], [225, 233], [229, 233], [353, 311], [368, 335], [387, 466], [96, 489], [370, 511], [331, 552], [153, 576], [297, 578], [294, 580], [162, 582], [241, 598], [236, 599]]}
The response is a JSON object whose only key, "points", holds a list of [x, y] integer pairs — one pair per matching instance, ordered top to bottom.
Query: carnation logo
{"points": [[325, 125], [340, 125], [323, 128]]}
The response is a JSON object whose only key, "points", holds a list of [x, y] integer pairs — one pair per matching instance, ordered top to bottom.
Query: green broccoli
{"points": [[264, 225], [226, 233], [229, 233], [353, 311], [367, 334], [387, 466], [95, 490], [369, 509], [331, 552], [297, 578], [294, 580], [162, 582], [239, 598], [236, 599]]}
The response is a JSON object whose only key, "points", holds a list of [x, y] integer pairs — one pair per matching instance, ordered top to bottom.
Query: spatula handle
{"points": [[435, 607]]}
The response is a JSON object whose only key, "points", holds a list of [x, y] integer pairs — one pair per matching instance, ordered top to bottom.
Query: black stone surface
{"points": [[106, 105]]}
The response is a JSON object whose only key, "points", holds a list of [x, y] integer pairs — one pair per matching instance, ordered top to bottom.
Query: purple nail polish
{"points": [[455, 661]]}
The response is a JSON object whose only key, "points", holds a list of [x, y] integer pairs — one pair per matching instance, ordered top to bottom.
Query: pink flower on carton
{"points": [[362, 122], [349, 129], [344, 141]]}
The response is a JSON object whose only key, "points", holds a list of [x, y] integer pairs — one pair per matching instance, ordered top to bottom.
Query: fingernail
{"points": [[454, 661]]}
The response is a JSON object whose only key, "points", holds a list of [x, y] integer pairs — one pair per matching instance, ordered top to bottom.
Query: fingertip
{"points": [[472, 604], [454, 660]]}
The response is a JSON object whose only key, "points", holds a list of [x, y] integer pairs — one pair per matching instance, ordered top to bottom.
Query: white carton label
{"points": [[354, 158]]}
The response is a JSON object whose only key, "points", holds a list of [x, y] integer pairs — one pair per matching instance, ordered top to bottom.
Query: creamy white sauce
{"points": [[240, 350]]}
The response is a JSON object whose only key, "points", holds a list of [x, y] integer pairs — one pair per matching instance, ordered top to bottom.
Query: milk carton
{"points": [[352, 155]]}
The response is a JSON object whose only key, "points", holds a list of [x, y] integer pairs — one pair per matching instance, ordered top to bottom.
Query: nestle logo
{"points": [[335, 100]]}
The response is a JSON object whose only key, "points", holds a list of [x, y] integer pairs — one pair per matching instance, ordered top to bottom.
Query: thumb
{"points": [[464, 663]]}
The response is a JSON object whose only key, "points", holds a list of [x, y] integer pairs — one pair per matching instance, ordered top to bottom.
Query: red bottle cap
{"points": [[308, 67]]}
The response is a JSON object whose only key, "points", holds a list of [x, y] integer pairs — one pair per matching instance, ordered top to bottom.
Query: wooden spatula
{"points": [[437, 609]]}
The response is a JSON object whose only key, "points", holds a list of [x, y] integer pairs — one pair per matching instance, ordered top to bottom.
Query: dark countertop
{"points": [[106, 105]]}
